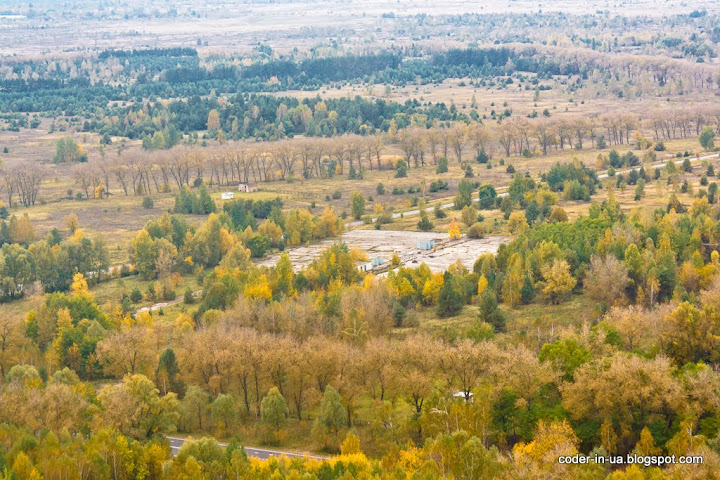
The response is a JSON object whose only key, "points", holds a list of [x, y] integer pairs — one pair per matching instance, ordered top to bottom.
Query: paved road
{"points": [[662, 164], [602, 175], [157, 306], [261, 453]]}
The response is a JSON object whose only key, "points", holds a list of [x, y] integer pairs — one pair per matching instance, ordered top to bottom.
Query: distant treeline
{"points": [[151, 52], [181, 65], [385, 67], [150, 75], [26, 86]]}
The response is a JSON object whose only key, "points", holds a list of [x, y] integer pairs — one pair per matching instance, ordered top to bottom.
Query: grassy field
{"points": [[119, 217]]}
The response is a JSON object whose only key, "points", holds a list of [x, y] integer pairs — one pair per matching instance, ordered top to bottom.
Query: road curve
{"points": [[260, 453]]}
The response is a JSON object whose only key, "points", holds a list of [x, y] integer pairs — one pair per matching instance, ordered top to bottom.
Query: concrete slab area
{"points": [[383, 243]]}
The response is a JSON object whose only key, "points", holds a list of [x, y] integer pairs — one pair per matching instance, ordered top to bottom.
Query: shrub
{"points": [[707, 138], [482, 157], [442, 166], [401, 169], [438, 185], [486, 196], [148, 203], [469, 215], [558, 215], [383, 218], [425, 224], [476, 230], [258, 244], [136, 295], [188, 298]]}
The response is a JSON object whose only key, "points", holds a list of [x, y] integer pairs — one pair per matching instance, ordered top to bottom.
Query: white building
{"points": [[247, 187], [469, 398]]}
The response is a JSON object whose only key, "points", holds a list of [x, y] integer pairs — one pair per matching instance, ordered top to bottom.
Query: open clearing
{"points": [[238, 26], [381, 244]]}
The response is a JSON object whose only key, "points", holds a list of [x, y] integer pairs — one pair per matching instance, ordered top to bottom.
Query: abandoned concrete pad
{"points": [[383, 243]]}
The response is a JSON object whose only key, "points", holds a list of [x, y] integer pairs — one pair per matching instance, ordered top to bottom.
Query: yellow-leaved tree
{"points": [[213, 121], [72, 223], [517, 223], [454, 230], [395, 260], [513, 280], [558, 280], [482, 284], [79, 287], [259, 289], [431, 289], [608, 437], [551, 440], [646, 445]]}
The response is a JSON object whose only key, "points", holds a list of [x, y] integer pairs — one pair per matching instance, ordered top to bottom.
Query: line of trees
{"points": [[140, 173]]}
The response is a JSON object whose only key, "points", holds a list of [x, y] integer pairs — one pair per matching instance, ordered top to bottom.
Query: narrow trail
{"points": [[445, 206]]}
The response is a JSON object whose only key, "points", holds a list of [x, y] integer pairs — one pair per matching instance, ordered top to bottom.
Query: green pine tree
{"points": [[424, 224], [527, 292], [449, 302], [489, 311]]}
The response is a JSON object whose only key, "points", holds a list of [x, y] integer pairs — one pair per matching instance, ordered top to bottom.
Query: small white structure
{"points": [[247, 187], [227, 195], [426, 244], [376, 262], [365, 267], [469, 398]]}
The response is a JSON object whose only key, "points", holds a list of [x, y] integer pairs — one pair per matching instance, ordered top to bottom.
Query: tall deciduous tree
{"points": [[357, 205], [606, 279], [558, 280], [126, 351], [194, 407], [135, 408], [224, 410], [273, 411], [331, 419]]}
